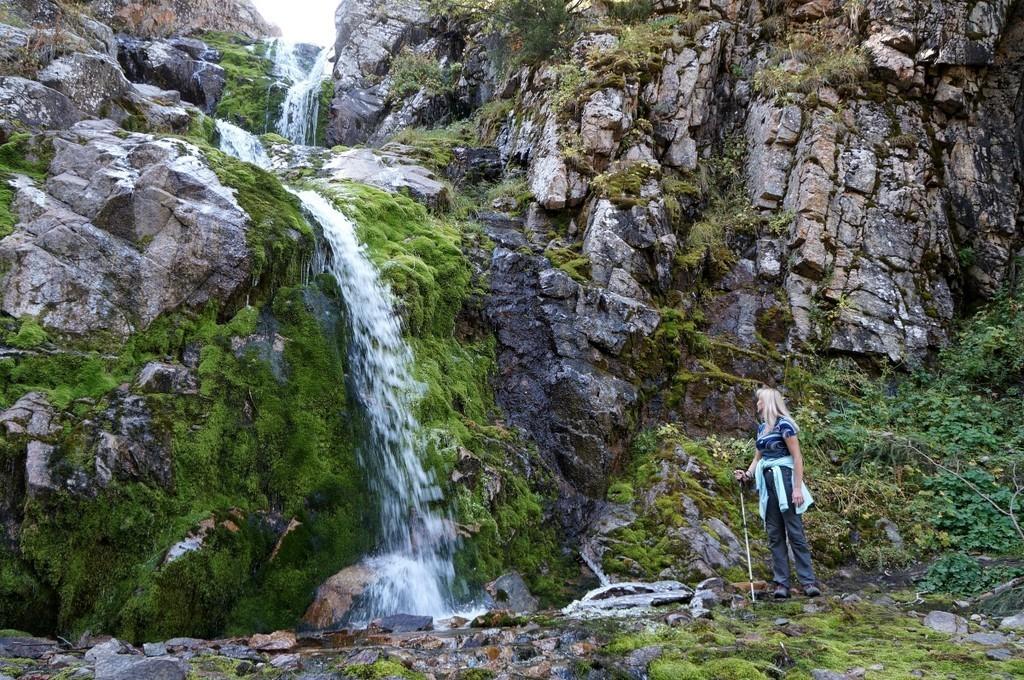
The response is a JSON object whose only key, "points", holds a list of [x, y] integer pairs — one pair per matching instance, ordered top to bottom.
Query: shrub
{"points": [[808, 62], [413, 71], [960, 574]]}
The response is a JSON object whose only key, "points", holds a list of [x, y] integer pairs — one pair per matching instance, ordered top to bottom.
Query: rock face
{"points": [[171, 17], [369, 36], [185, 65], [28, 104], [127, 226]]}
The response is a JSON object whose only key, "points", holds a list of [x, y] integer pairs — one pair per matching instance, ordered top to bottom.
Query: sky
{"points": [[301, 20]]}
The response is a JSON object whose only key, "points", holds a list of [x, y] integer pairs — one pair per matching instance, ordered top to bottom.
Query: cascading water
{"points": [[301, 106], [241, 144], [413, 564], [412, 567]]}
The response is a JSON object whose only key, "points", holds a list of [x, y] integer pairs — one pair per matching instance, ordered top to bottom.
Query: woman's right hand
{"points": [[740, 475]]}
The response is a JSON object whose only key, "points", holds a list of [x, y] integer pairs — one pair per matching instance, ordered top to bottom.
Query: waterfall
{"points": [[301, 106], [241, 144], [413, 563]]}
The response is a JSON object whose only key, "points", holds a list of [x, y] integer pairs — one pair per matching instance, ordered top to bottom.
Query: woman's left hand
{"points": [[798, 498]]}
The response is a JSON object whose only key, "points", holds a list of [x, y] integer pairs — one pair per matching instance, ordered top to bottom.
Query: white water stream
{"points": [[301, 106], [239, 143], [412, 565]]}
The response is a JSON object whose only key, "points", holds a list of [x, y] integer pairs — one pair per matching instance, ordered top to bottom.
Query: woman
{"points": [[778, 474]]}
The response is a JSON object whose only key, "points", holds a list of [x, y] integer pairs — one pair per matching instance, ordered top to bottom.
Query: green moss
{"points": [[828, 60], [412, 71], [252, 96], [323, 112], [433, 146], [25, 155], [623, 186], [279, 237], [419, 257], [571, 262], [30, 334], [257, 438], [26, 602], [385, 668]]}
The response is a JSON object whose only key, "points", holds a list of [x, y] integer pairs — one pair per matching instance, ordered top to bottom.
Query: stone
{"points": [[174, 65], [94, 82], [30, 105], [473, 165], [388, 169], [130, 226], [163, 378], [30, 415], [129, 445], [38, 477], [511, 592], [334, 597], [945, 622], [1015, 622], [402, 623], [987, 639], [278, 641], [184, 644], [26, 647], [106, 648], [154, 649], [999, 654], [286, 661], [123, 667], [825, 674]]}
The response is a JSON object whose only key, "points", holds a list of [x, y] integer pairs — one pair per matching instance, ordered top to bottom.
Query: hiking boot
{"points": [[812, 590], [781, 592]]}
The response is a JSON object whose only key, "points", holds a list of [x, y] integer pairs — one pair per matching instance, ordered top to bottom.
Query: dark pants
{"points": [[786, 527]]}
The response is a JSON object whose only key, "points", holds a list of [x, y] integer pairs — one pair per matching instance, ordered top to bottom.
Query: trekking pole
{"points": [[746, 540]]}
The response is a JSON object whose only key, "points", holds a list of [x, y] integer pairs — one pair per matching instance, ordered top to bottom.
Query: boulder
{"points": [[174, 65], [93, 81], [30, 105], [472, 165], [391, 170], [129, 227], [163, 378], [31, 415], [129, 445], [511, 592], [335, 596], [945, 622], [1015, 622], [402, 623], [278, 641], [26, 647], [106, 648], [124, 667]]}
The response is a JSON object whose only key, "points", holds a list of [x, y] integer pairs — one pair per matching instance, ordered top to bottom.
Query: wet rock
{"points": [[174, 65], [30, 105], [472, 165], [389, 170], [130, 226], [163, 378], [129, 445], [511, 592], [334, 597], [621, 598], [499, 618], [945, 622], [402, 623], [278, 641], [184, 644], [26, 647], [999, 654], [286, 661], [123, 667]]}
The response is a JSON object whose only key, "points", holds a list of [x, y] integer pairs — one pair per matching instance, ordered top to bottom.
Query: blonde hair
{"points": [[774, 407]]}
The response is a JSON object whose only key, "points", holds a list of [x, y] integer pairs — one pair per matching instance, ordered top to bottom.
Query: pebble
{"points": [[852, 598], [781, 621]]}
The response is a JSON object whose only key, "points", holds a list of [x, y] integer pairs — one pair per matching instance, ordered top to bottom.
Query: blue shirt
{"points": [[771, 443]]}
